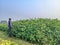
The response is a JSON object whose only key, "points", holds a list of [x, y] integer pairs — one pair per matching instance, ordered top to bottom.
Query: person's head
{"points": [[9, 18]]}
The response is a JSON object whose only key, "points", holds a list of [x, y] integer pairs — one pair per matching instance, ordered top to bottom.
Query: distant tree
{"points": [[3, 22]]}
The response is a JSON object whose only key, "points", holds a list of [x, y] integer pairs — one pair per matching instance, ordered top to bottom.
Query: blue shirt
{"points": [[10, 24]]}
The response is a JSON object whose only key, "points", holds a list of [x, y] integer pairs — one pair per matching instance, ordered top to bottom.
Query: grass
{"points": [[4, 36]]}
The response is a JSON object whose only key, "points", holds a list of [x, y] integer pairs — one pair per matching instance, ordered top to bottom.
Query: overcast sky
{"points": [[23, 9]]}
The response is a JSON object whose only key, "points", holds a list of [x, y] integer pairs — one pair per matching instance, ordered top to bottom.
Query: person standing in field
{"points": [[10, 27]]}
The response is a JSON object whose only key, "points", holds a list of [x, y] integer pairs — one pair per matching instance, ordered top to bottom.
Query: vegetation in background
{"points": [[41, 31]]}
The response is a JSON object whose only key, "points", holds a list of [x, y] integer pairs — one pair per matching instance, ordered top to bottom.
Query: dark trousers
{"points": [[9, 32]]}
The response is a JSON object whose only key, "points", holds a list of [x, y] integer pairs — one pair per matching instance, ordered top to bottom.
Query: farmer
{"points": [[10, 27]]}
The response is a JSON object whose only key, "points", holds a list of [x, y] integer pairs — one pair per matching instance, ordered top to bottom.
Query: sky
{"points": [[26, 9]]}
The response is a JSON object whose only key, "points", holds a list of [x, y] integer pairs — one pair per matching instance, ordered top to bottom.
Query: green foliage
{"points": [[3, 27], [42, 31]]}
